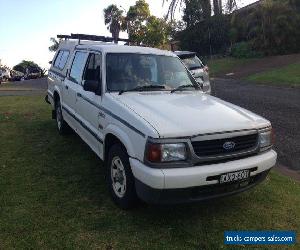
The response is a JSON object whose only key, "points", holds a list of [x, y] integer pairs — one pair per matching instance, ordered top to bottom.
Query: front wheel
{"points": [[120, 179]]}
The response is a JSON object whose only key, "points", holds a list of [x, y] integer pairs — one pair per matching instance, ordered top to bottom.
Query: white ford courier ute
{"points": [[162, 139]]}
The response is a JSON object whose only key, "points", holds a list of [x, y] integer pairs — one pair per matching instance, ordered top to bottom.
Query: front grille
{"points": [[215, 147]]}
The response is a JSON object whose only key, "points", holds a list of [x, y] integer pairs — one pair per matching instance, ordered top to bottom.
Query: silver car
{"points": [[196, 67]]}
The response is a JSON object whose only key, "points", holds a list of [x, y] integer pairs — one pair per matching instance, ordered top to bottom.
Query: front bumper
{"points": [[194, 183], [194, 194]]}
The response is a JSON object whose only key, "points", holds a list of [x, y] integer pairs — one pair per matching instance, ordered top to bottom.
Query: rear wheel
{"points": [[62, 126], [120, 179]]}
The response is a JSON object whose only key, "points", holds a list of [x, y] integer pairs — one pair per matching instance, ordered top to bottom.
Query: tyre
{"points": [[62, 126], [120, 180]]}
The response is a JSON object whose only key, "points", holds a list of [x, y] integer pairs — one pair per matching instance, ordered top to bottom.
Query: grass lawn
{"points": [[226, 65], [286, 75], [52, 195]]}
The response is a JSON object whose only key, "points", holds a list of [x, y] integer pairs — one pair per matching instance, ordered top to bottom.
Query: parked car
{"points": [[197, 68], [161, 138]]}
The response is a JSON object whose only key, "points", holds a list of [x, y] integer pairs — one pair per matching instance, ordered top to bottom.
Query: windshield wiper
{"points": [[181, 87], [143, 88]]}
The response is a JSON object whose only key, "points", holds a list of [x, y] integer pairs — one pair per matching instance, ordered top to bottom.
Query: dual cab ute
{"points": [[162, 139]]}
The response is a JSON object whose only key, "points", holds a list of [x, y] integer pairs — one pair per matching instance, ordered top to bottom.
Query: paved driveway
{"points": [[280, 105]]}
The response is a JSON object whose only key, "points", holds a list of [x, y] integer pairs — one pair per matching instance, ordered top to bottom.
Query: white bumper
{"points": [[196, 176]]}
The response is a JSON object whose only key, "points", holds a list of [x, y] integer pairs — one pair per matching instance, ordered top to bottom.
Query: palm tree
{"points": [[217, 6], [113, 18], [54, 46]]}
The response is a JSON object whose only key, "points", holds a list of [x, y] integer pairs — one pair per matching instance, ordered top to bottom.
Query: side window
{"points": [[61, 59], [77, 66], [93, 68]]}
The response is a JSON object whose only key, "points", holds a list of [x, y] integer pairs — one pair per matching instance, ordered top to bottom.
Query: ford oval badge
{"points": [[229, 145]]}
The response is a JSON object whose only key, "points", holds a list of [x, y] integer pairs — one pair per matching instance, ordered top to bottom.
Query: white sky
{"points": [[26, 26]]}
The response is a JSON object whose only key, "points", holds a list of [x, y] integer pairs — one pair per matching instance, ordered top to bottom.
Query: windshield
{"points": [[193, 62], [128, 71]]}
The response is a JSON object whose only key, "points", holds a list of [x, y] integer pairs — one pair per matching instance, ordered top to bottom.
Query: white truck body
{"points": [[136, 118]]}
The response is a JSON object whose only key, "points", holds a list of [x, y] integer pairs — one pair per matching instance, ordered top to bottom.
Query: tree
{"points": [[217, 6], [196, 11], [113, 18], [136, 19], [144, 28], [273, 28], [157, 32], [54, 46], [27, 66]]}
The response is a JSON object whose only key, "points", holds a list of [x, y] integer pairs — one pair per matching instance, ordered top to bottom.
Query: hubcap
{"points": [[58, 117], [118, 177]]}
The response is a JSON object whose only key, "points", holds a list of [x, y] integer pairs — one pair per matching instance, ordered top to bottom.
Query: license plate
{"points": [[234, 176]]}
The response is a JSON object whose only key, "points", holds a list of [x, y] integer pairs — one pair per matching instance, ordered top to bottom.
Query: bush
{"points": [[244, 50]]}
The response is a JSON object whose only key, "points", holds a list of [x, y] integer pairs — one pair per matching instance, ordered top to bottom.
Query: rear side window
{"points": [[61, 59], [193, 63], [77, 67]]}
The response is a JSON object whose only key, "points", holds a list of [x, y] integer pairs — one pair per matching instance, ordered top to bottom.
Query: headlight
{"points": [[265, 139], [166, 152]]}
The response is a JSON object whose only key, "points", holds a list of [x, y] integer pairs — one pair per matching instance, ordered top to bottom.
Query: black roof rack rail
{"points": [[91, 38]]}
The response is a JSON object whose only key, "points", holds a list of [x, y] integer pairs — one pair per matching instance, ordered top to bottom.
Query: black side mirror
{"points": [[92, 86]]}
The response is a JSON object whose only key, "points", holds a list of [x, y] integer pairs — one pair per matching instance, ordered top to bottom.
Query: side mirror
{"points": [[50, 62], [91, 86]]}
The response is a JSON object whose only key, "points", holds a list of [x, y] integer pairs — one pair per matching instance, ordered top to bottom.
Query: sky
{"points": [[27, 25]]}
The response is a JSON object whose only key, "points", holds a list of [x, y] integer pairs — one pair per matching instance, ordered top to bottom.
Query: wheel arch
{"points": [[116, 135]]}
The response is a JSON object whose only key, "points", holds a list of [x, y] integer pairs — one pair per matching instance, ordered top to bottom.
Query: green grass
{"points": [[225, 65], [289, 75], [52, 195]]}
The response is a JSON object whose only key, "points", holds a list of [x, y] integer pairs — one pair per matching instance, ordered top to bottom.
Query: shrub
{"points": [[244, 50]]}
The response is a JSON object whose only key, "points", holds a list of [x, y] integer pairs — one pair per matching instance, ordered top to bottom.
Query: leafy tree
{"points": [[196, 11], [113, 18], [136, 19], [274, 28], [157, 32], [208, 37], [54, 46], [27, 66]]}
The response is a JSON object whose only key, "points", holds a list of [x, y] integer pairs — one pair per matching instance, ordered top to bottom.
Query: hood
{"points": [[189, 113]]}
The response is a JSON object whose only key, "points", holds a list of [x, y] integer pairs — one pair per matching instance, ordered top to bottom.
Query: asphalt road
{"points": [[280, 105]]}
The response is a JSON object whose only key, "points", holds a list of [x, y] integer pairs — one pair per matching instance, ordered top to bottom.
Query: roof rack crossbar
{"points": [[91, 38]]}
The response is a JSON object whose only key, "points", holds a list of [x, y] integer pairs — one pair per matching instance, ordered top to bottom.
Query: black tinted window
{"points": [[61, 59], [77, 66], [93, 68]]}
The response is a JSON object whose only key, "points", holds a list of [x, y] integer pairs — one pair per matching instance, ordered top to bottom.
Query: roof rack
{"points": [[91, 38]]}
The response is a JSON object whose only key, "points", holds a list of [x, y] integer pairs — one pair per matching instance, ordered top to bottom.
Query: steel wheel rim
{"points": [[118, 177]]}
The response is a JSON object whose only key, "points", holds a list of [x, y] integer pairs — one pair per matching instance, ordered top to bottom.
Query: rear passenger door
{"points": [[71, 86], [88, 105]]}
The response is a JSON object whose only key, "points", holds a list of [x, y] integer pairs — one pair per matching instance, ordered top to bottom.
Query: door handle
{"points": [[66, 86], [79, 95]]}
